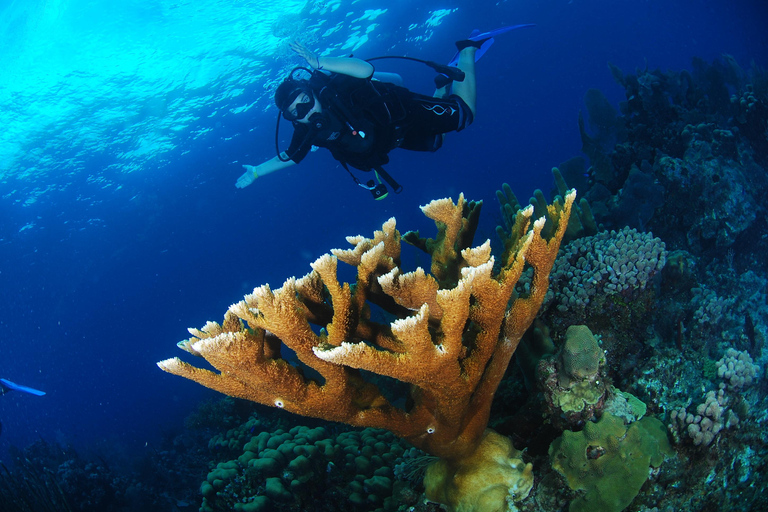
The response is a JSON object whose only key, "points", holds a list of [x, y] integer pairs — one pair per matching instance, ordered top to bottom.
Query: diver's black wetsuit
{"points": [[366, 119]]}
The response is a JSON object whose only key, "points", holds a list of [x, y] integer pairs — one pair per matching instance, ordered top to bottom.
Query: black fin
{"points": [[466, 43]]}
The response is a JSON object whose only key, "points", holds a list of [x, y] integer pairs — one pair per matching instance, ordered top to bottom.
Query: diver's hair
{"points": [[286, 92]]}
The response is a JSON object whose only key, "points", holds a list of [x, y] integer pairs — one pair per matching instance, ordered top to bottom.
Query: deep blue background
{"points": [[85, 313]]}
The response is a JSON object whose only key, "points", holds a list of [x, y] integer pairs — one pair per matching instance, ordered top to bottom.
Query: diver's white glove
{"points": [[248, 176]]}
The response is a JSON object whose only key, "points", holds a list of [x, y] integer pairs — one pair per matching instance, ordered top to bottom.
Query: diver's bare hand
{"points": [[305, 53], [248, 177]]}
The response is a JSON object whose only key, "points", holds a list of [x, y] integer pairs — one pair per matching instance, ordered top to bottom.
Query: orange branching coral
{"points": [[455, 230], [452, 345]]}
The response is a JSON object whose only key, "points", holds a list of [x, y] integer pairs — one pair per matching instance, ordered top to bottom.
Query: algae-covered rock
{"points": [[609, 461]]}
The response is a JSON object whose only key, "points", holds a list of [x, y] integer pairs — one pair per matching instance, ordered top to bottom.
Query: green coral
{"points": [[581, 222], [581, 356], [582, 386], [580, 397], [625, 406], [232, 441], [609, 461], [295, 467], [218, 478]]}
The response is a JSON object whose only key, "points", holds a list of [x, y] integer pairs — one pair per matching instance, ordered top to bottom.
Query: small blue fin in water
{"points": [[12, 386]]}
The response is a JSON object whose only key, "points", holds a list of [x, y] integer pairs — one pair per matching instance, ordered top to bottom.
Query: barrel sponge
{"points": [[581, 356], [609, 461], [490, 480]]}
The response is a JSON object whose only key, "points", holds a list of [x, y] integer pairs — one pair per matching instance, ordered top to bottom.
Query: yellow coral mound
{"points": [[486, 481]]}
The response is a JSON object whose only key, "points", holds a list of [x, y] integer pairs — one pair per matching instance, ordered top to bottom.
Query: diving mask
{"points": [[298, 111]]}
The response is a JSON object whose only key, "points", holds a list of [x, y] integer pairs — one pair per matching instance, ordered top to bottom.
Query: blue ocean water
{"points": [[125, 125]]}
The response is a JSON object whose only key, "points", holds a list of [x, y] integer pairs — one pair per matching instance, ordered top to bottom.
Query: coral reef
{"points": [[685, 136], [684, 157], [622, 263], [606, 281], [652, 330], [452, 345], [737, 369], [710, 418], [50, 477], [28, 490]]}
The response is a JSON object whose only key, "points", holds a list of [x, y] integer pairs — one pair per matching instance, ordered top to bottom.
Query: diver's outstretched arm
{"points": [[351, 66], [254, 171]]}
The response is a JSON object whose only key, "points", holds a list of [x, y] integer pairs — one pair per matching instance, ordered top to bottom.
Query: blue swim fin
{"points": [[479, 36], [12, 386]]}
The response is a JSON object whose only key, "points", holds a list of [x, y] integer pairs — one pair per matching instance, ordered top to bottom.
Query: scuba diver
{"points": [[361, 115], [6, 386]]}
